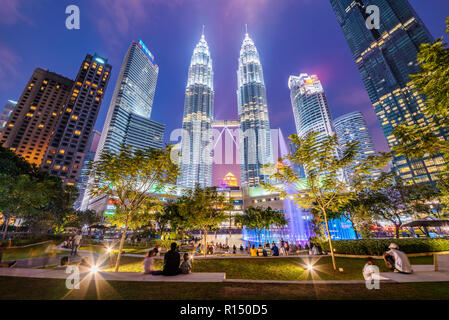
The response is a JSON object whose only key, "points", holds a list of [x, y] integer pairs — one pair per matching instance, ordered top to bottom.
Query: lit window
{"points": [[68, 110], [29, 114], [75, 117], [41, 125], [77, 132], [62, 151], [48, 161], [57, 167]]}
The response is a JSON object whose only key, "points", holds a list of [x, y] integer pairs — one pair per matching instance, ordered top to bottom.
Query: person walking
{"points": [[76, 242]]}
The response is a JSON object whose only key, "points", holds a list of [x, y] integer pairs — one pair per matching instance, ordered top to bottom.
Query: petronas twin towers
{"points": [[254, 134]]}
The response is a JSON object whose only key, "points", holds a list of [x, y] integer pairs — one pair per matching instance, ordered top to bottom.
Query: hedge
{"points": [[377, 247]]}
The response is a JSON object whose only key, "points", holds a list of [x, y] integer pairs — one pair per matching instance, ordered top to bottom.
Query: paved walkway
{"points": [[422, 274], [112, 276]]}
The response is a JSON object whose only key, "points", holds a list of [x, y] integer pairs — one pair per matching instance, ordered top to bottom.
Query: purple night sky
{"points": [[292, 36]]}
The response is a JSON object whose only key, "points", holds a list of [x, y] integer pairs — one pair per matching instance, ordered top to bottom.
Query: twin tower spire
{"points": [[197, 139]]}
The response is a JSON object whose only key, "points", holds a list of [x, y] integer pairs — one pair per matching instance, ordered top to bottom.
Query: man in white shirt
{"points": [[397, 260]]}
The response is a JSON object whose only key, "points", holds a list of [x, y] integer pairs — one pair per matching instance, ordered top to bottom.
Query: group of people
{"points": [[73, 243], [284, 249], [395, 260], [172, 262]]}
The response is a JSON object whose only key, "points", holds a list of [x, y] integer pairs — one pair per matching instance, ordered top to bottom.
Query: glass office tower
{"points": [[385, 57], [310, 107], [128, 119], [352, 127], [255, 140], [196, 145]]}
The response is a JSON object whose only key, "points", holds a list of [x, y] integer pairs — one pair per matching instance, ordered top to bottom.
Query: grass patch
{"points": [[103, 249], [41, 250], [276, 269], [44, 289]]}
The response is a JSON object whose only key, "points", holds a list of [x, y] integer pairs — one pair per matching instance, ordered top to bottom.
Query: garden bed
{"points": [[376, 247]]}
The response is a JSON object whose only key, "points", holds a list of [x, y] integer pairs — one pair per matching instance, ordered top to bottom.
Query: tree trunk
{"points": [[396, 227], [5, 230], [330, 240], [205, 241], [122, 242]]}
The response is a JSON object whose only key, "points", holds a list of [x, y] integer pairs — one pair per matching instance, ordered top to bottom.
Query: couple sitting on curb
{"points": [[171, 263]]}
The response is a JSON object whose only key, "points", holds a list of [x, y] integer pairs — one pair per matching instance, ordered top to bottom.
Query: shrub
{"points": [[377, 247]]}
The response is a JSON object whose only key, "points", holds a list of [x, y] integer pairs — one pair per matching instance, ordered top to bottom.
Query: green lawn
{"points": [[103, 249], [41, 250], [276, 269], [26, 288]]}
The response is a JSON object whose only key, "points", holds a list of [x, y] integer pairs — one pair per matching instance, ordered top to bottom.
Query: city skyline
{"points": [[326, 55]]}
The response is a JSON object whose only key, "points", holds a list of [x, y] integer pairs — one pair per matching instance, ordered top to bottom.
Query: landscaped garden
{"points": [[294, 269]]}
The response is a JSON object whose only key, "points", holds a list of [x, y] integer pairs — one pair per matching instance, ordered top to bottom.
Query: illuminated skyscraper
{"points": [[385, 57], [310, 107], [6, 112], [34, 119], [128, 119], [352, 127], [70, 140], [255, 142], [196, 148]]}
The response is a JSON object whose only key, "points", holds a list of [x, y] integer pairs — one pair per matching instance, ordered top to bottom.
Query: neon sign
{"points": [[145, 50]]}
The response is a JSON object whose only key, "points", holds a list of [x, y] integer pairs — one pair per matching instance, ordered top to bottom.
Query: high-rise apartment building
{"points": [[385, 58], [310, 108], [6, 112], [34, 119], [128, 119], [352, 127], [70, 140], [255, 141], [196, 144]]}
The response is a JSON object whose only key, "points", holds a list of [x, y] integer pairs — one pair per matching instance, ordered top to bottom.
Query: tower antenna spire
{"points": [[246, 28], [202, 32]]}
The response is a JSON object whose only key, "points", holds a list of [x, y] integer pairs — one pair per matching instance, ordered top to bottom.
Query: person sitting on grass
{"points": [[397, 260], [171, 261], [186, 266], [370, 269]]}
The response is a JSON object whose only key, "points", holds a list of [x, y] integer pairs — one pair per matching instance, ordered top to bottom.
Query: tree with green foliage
{"points": [[131, 176], [361, 178], [324, 191], [20, 197], [394, 200], [204, 209], [174, 215], [78, 218], [260, 218]]}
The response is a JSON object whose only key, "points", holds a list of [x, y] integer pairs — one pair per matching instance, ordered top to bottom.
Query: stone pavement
{"points": [[112, 276]]}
